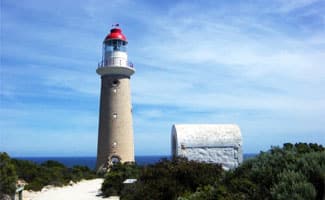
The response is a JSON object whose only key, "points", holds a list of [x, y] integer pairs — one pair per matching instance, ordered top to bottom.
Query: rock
{"points": [[212, 143], [21, 182], [48, 187], [4, 197], [114, 198]]}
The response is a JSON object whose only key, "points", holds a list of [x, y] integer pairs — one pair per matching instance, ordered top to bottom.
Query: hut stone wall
{"points": [[212, 143]]}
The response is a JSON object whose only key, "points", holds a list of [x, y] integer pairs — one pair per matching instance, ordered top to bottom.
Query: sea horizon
{"points": [[83, 156], [90, 161]]}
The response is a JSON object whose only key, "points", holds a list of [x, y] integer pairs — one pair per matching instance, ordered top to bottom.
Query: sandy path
{"points": [[84, 190]]}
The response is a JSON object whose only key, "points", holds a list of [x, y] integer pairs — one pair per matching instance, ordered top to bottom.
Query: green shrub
{"points": [[312, 166], [26, 170], [263, 171], [295, 171], [49, 173], [78, 173], [8, 175], [169, 179], [113, 183], [292, 185], [203, 193]]}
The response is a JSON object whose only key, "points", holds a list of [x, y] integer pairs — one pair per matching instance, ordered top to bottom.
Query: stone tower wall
{"points": [[115, 121]]}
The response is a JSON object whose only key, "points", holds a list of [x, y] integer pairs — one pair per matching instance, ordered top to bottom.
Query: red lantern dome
{"points": [[116, 34]]}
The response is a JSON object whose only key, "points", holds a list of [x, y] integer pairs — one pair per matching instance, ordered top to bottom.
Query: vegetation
{"points": [[294, 171], [291, 172], [50, 173], [8, 175], [37, 176], [166, 179], [113, 183]]}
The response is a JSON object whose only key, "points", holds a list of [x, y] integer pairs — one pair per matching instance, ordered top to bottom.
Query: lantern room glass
{"points": [[114, 45], [110, 48]]}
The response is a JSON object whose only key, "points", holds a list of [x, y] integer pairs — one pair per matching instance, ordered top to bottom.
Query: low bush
{"points": [[295, 171], [47, 173], [8, 175], [166, 179], [113, 183], [292, 185]]}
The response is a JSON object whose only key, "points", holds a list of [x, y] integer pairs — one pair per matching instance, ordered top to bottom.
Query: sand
{"points": [[83, 190]]}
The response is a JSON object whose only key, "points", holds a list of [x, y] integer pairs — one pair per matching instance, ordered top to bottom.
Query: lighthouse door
{"points": [[115, 160]]}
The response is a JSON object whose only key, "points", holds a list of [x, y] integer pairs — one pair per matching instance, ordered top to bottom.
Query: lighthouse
{"points": [[115, 131]]}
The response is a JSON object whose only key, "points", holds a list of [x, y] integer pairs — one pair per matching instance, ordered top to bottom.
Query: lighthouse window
{"points": [[115, 45], [115, 83], [114, 115], [114, 144]]}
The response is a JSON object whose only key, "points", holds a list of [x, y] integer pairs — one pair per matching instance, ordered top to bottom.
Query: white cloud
{"points": [[290, 5]]}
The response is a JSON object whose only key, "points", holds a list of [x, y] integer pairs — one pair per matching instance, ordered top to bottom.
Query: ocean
{"points": [[91, 161]]}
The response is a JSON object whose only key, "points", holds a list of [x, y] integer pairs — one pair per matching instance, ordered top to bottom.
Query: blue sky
{"points": [[256, 63]]}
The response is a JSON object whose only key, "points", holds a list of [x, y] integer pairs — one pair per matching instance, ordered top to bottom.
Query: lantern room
{"points": [[115, 40], [114, 48], [114, 57]]}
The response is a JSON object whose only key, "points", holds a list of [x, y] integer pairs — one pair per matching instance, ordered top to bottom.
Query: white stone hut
{"points": [[212, 143]]}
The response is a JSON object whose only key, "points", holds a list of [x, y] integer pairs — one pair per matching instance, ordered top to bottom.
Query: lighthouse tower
{"points": [[115, 132]]}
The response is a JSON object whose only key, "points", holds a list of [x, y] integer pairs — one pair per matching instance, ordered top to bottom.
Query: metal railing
{"points": [[113, 62]]}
